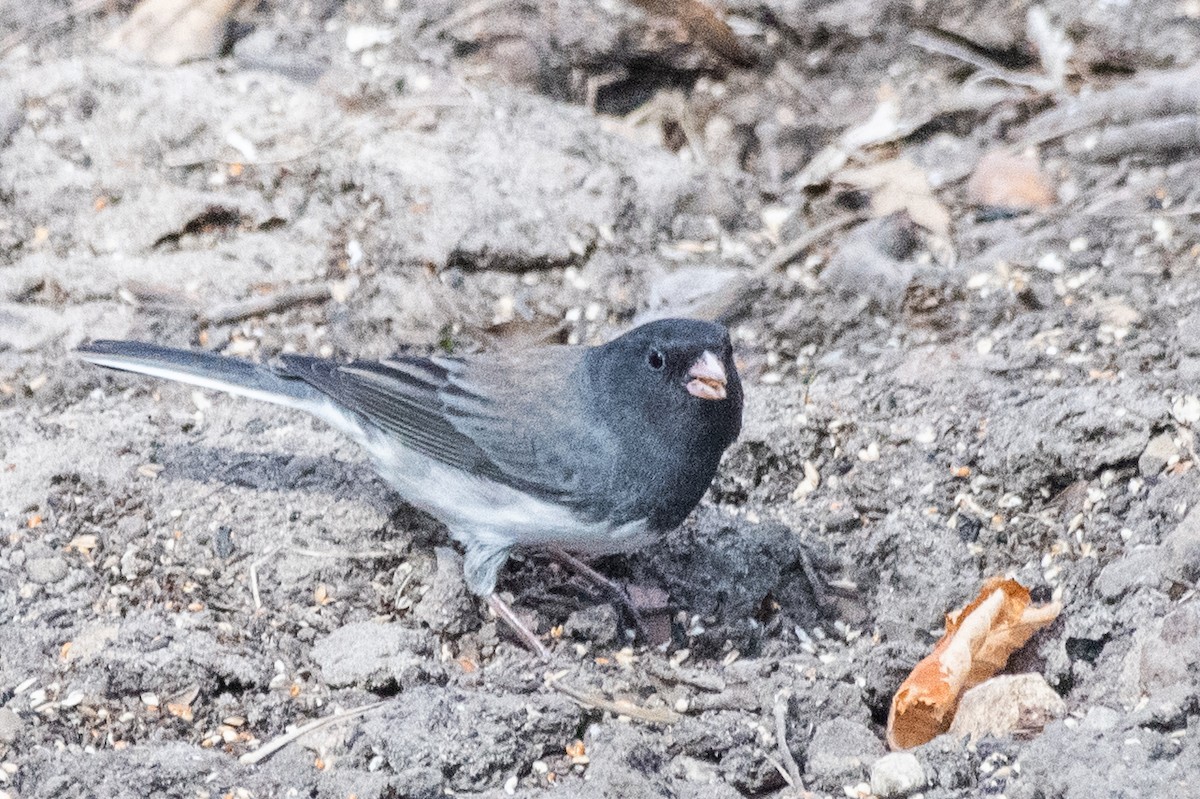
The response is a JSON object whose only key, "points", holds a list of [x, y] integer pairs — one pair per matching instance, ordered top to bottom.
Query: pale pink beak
{"points": [[708, 378]]}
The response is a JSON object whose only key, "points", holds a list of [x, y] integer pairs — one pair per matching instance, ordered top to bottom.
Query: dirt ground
{"points": [[953, 371]]}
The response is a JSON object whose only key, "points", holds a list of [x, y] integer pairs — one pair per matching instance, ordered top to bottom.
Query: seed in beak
{"points": [[708, 378]]}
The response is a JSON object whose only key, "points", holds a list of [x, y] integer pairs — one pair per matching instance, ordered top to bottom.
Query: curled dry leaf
{"points": [[978, 642]]}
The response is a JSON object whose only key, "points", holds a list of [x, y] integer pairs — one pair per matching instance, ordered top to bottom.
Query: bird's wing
{"points": [[530, 414], [507, 418]]}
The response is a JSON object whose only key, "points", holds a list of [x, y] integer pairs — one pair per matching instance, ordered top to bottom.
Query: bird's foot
{"points": [[615, 591]]}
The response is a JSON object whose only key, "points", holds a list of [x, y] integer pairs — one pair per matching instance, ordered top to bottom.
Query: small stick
{"points": [[463, 16], [943, 44], [185, 161], [786, 253], [271, 303], [270, 553], [338, 554], [505, 614], [619, 707], [273, 746], [792, 773]]}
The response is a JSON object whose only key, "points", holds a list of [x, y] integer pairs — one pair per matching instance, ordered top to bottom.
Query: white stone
{"points": [[897, 774]]}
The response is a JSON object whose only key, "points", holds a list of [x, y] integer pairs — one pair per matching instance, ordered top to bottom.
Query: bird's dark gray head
{"points": [[672, 389]]}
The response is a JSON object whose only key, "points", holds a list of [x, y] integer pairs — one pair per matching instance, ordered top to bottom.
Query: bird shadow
{"points": [[270, 471]]}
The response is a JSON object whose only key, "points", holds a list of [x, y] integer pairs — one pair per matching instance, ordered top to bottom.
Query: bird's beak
{"points": [[707, 378]]}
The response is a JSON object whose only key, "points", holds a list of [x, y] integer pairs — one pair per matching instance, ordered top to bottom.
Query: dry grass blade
{"points": [[271, 303], [273, 746]]}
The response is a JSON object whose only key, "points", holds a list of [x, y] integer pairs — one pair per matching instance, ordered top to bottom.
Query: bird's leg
{"points": [[615, 591], [505, 613]]}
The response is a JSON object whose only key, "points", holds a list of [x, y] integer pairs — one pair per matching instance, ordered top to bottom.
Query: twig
{"points": [[463, 15], [944, 44], [180, 162], [786, 253], [737, 296], [270, 303], [270, 553], [369, 554], [618, 707], [273, 746], [782, 771], [792, 773]]}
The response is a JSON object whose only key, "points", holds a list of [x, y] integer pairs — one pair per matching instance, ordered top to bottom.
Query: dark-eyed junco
{"points": [[594, 450]]}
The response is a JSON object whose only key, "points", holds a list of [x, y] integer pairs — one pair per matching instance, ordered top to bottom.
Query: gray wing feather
{"points": [[399, 397], [492, 415]]}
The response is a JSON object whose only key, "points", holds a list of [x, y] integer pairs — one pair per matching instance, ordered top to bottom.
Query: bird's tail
{"points": [[207, 371]]}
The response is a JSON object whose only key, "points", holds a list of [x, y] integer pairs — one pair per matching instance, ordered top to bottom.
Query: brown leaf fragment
{"points": [[704, 25], [1010, 182], [977, 643]]}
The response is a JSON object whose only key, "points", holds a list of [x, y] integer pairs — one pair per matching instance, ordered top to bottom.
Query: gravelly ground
{"points": [[183, 575]]}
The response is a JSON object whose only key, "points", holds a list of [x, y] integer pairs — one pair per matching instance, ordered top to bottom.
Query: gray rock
{"points": [[1078, 433], [1157, 455], [1182, 546], [1139, 568], [46, 570], [447, 607], [597, 624], [370, 655], [1162, 655], [1019, 705], [1166, 708], [1100, 718], [10, 726], [841, 750], [897, 774]]}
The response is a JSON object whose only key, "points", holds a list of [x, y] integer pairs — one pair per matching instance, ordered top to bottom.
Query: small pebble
{"points": [[46, 571], [10, 725], [896, 774]]}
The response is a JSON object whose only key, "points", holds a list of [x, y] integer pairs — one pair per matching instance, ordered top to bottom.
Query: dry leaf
{"points": [[704, 25], [170, 32], [883, 126], [1011, 182], [900, 185], [83, 544], [978, 642], [180, 705], [180, 710]]}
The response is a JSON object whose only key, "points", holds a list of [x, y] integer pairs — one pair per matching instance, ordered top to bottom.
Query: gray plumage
{"points": [[590, 449]]}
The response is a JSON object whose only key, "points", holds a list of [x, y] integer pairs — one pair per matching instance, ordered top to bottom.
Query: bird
{"points": [[588, 450]]}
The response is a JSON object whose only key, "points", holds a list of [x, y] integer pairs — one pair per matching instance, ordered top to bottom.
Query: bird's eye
{"points": [[656, 360]]}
